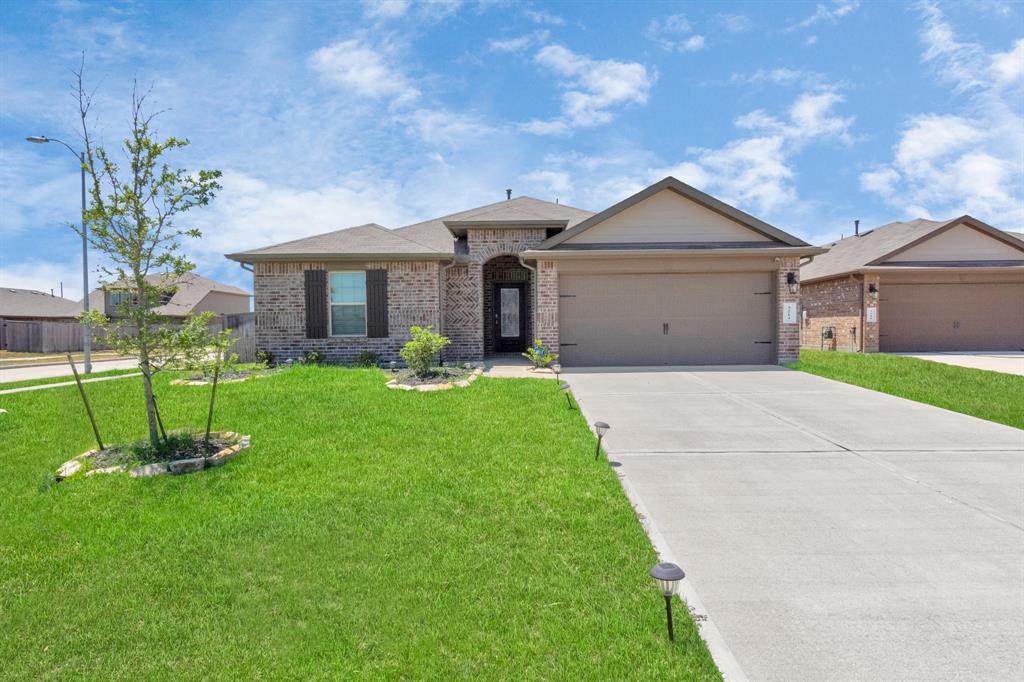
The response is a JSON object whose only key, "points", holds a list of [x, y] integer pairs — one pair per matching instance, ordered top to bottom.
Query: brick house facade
{"points": [[444, 273]]}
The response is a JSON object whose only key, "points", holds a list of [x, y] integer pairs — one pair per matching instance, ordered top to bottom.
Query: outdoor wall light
{"points": [[792, 282], [873, 291], [564, 388], [600, 428], [667, 575]]}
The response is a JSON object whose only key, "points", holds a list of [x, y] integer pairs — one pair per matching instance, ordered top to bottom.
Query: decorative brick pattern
{"points": [[464, 287], [547, 303], [833, 303], [281, 316], [787, 335]]}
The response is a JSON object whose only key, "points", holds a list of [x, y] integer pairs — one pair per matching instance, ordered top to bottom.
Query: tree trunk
{"points": [[147, 386]]}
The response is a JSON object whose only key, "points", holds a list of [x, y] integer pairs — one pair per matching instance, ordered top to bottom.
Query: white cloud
{"points": [[385, 9], [831, 13], [544, 17], [734, 22], [674, 33], [811, 40], [519, 43], [1008, 67], [363, 70], [781, 76], [593, 87], [447, 128], [965, 162], [757, 171], [548, 184], [43, 275]]}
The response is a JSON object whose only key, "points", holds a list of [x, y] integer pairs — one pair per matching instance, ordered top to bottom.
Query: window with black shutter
{"points": [[377, 303]]}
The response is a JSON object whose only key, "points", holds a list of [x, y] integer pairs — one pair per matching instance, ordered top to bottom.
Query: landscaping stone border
{"points": [[461, 383], [179, 466]]}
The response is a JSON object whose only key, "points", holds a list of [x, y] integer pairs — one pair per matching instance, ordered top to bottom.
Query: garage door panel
{"points": [[952, 317], [660, 319]]}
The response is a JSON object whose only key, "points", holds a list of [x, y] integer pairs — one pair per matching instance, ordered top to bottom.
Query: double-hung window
{"points": [[348, 303]]}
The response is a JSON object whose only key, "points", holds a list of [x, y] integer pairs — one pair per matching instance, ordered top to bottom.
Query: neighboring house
{"points": [[667, 276], [921, 285], [185, 295], [28, 304]]}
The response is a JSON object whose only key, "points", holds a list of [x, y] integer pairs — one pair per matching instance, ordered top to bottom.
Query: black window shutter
{"points": [[316, 304], [377, 304]]}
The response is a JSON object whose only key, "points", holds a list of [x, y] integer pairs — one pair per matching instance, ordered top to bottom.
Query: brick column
{"points": [[547, 304], [871, 328], [788, 334]]}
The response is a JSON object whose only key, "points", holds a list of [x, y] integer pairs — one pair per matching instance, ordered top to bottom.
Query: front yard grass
{"points": [[993, 396], [367, 534]]}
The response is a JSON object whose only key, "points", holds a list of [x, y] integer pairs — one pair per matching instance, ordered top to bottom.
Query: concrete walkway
{"points": [[1008, 362], [46, 371], [61, 384], [829, 532]]}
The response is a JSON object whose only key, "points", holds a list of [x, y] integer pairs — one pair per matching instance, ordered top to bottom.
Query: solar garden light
{"points": [[394, 366], [556, 368], [564, 388], [600, 428], [667, 575]]}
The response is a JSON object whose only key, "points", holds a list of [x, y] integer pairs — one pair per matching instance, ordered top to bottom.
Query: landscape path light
{"points": [[564, 388], [600, 428], [667, 575]]}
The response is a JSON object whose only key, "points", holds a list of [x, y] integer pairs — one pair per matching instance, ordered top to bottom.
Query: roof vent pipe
{"points": [[508, 194], [856, 228]]}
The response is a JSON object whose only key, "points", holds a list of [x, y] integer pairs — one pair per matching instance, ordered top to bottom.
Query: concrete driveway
{"points": [[1008, 362], [830, 532]]}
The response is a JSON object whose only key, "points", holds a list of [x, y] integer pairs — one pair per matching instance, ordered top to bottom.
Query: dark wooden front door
{"points": [[509, 318]]}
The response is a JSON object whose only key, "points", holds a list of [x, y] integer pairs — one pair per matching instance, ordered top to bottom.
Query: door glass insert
{"points": [[510, 313]]}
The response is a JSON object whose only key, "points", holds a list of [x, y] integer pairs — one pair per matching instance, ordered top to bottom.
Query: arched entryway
{"points": [[508, 305]]}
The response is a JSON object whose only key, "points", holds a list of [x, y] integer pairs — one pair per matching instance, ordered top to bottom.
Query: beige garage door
{"points": [[951, 317], [666, 319]]}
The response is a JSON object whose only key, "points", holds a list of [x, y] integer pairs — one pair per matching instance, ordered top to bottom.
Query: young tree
{"points": [[131, 219]]}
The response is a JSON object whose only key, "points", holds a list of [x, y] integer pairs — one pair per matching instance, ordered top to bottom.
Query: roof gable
{"points": [[672, 212], [958, 240]]}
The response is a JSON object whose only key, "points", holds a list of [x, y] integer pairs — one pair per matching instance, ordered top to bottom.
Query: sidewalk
{"points": [[46, 371]]}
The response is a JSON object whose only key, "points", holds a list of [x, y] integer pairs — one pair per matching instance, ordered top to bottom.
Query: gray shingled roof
{"points": [[426, 238], [854, 253], [190, 289], [31, 303]]}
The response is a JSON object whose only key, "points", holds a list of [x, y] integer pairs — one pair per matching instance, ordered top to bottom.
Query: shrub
{"points": [[419, 354], [540, 355], [312, 357], [265, 358], [366, 358]]}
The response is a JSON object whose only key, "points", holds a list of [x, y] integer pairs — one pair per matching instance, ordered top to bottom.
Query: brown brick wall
{"points": [[502, 270], [465, 290], [547, 303], [833, 303], [281, 316], [787, 335]]}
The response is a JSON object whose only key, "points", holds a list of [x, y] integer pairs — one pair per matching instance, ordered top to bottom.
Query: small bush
{"points": [[420, 353], [540, 355], [312, 357], [265, 358], [366, 358], [178, 445]]}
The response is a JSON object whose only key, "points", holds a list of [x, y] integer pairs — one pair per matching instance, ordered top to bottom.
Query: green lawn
{"points": [[994, 396], [367, 534]]}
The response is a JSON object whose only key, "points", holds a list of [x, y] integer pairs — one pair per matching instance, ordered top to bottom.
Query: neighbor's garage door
{"points": [[951, 317], [666, 319]]}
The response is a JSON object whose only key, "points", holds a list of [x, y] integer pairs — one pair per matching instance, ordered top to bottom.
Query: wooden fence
{"points": [[24, 336]]}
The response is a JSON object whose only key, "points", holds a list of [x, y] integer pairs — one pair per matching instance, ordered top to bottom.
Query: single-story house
{"points": [[667, 276], [922, 285], [183, 295], [28, 304]]}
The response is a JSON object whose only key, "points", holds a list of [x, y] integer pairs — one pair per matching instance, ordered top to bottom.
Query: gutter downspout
{"points": [[536, 288]]}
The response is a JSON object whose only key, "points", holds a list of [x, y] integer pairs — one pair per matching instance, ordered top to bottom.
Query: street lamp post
{"points": [[86, 330]]}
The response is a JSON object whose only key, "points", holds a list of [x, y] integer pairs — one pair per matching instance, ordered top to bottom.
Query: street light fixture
{"points": [[86, 331], [600, 428], [667, 575]]}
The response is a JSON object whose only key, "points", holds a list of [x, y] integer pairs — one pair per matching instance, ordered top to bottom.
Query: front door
{"points": [[509, 318]]}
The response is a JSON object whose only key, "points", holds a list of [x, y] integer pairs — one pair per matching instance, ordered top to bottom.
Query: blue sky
{"points": [[325, 115]]}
